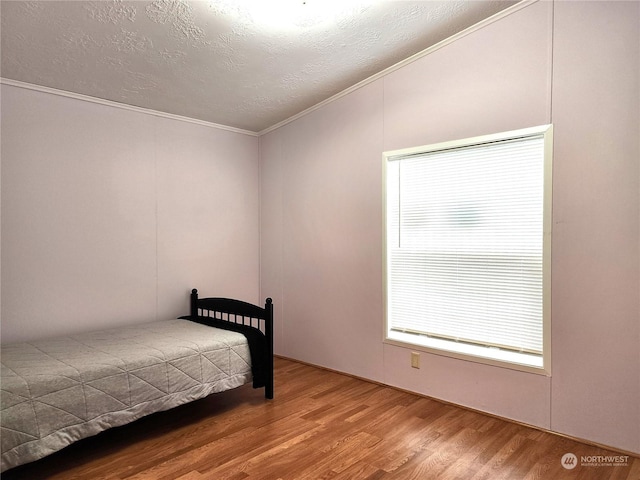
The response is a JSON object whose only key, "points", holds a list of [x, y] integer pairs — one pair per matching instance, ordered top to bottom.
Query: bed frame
{"points": [[239, 313], [112, 377]]}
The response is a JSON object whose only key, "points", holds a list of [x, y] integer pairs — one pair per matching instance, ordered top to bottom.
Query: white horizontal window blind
{"points": [[464, 239]]}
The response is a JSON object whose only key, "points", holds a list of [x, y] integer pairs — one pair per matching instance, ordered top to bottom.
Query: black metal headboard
{"points": [[242, 313]]}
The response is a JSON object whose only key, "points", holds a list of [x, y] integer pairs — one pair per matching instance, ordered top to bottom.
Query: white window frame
{"points": [[480, 354]]}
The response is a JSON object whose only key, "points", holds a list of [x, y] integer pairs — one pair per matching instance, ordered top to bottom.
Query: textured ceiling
{"points": [[219, 61]]}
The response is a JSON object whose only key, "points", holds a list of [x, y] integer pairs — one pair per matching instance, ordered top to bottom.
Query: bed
{"points": [[57, 391]]}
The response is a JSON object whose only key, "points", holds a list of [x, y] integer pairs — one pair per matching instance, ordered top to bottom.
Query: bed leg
{"points": [[268, 389]]}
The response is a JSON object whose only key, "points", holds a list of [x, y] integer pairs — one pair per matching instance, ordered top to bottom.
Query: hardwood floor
{"points": [[322, 425]]}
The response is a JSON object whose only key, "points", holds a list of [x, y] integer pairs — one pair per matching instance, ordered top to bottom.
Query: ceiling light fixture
{"points": [[290, 14]]}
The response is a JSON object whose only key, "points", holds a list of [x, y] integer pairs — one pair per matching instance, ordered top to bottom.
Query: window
{"points": [[467, 230]]}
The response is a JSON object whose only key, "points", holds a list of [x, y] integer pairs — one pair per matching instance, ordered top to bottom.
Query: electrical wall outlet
{"points": [[415, 360]]}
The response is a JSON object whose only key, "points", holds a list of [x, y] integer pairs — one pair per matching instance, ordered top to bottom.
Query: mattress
{"points": [[60, 390]]}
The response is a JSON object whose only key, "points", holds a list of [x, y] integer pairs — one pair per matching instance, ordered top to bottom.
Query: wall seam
{"points": [[551, 72], [157, 218], [260, 292]]}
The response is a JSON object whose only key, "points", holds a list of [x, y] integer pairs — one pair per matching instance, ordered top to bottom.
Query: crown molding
{"points": [[478, 26], [473, 28], [110, 103]]}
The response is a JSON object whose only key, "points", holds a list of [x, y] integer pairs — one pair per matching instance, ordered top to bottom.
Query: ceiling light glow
{"points": [[288, 14]]}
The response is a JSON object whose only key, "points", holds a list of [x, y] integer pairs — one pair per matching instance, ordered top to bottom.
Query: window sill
{"points": [[491, 356]]}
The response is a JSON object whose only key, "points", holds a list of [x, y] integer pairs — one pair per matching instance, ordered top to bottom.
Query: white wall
{"points": [[575, 64], [111, 216], [321, 246], [596, 321]]}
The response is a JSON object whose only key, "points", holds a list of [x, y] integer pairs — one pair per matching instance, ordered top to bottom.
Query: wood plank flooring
{"points": [[322, 425]]}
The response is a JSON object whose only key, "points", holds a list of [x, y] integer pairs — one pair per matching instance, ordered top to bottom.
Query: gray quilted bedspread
{"points": [[57, 391]]}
